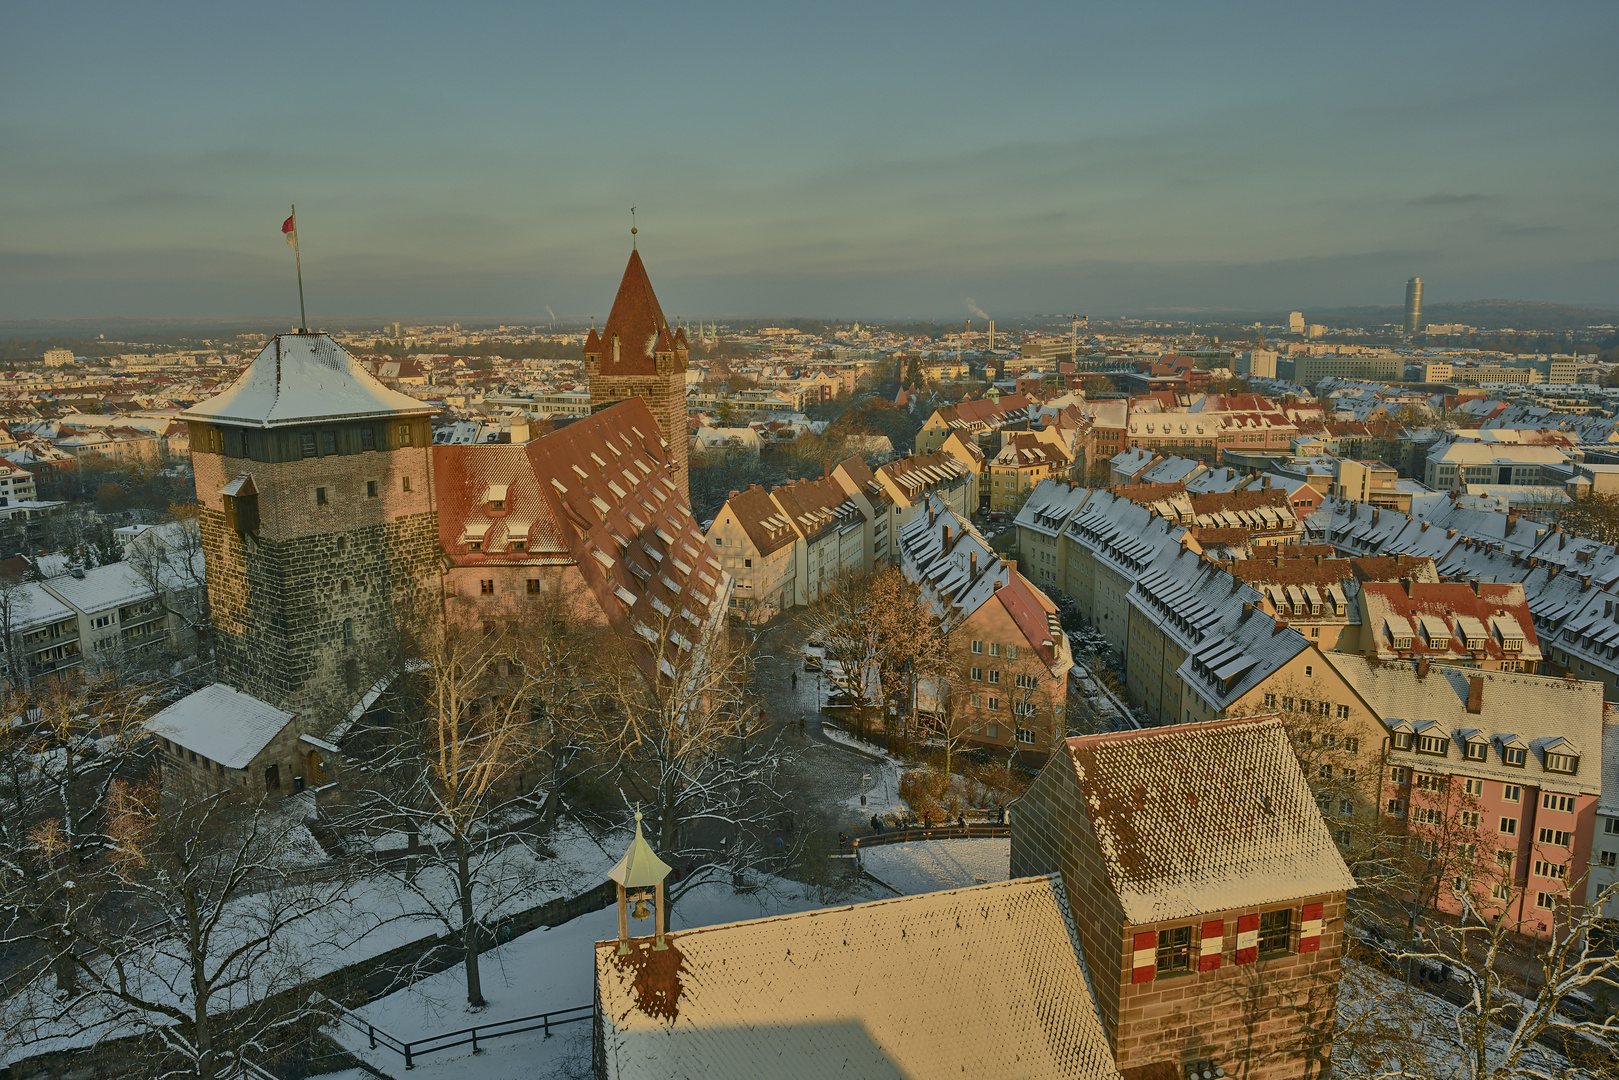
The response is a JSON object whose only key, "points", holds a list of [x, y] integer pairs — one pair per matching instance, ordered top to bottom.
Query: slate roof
{"points": [[302, 378], [1535, 709], [221, 724], [1198, 818], [979, 982]]}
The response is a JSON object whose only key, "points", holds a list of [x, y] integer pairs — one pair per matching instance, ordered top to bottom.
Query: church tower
{"points": [[637, 355], [315, 487]]}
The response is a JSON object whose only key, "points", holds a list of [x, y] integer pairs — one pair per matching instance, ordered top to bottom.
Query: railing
{"points": [[937, 832], [428, 1044]]}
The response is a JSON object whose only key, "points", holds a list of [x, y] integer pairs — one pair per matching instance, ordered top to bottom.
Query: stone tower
{"points": [[637, 355], [318, 523]]}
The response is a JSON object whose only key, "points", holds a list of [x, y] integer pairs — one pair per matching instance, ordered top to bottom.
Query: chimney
{"points": [[1425, 525], [945, 534], [972, 563], [998, 584], [1247, 610], [1281, 624], [1475, 694]]}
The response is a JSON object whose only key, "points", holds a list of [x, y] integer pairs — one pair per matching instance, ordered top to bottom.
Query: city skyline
{"points": [[869, 164]]}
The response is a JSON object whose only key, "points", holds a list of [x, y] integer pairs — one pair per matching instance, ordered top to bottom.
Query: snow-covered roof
{"points": [[301, 378], [101, 588], [221, 724], [1198, 818], [990, 977]]}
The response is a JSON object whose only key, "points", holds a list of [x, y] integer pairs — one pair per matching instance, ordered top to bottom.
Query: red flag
{"points": [[289, 229]]}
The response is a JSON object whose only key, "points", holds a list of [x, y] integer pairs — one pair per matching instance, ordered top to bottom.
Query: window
{"points": [[404, 434], [368, 438], [328, 442], [306, 443], [405, 482], [370, 489], [320, 496], [497, 504], [719, 541], [519, 545], [747, 563], [487, 586], [533, 586], [348, 631], [978, 646], [994, 648], [1011, 652], [1308, 671], [977, 674], [994, 676], [1270, 701], [994, 704], [1287, 704], [1343, 714], [993, 731], [1025, 736], [1402, 740], [1432, 744], [1477, 751], [1513, 755], [1564, 763], [1325, 772], [1399, 774], [1429, 782], [1473, 787], [1511, 792], [1565, 803], [1345, 806], [1396, 807], [1427, 815], [1468, 819], [1610, 825], [1509, 826], [1341, 836], [1556, 837], [1426, 849], [1608, 858], [1550, 870], [1545, 900], [1275, 931], [1175, 951]]}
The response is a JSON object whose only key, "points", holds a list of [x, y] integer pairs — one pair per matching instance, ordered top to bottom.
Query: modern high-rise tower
{"points": [[1413, 306]]}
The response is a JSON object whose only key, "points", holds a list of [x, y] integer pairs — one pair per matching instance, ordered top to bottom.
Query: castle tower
{"points": [[637, 355], [318, 524]]}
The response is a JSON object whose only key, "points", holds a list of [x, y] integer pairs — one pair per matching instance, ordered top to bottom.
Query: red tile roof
{"points": [[638, 323]]}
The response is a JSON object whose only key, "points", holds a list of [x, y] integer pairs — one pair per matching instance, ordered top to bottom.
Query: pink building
{"points": [[1497, 774]]}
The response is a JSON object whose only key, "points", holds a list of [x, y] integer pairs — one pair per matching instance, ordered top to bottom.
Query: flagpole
{"points": [[297, 260]]}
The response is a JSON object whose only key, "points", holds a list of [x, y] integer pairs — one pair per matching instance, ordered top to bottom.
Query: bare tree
{"points": [[170, 561], [15, 599], [844, 622], [678, 733], [452, 770], [218, 913]]}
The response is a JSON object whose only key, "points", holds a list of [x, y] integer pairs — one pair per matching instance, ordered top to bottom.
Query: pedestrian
{"points": [[795, 680], [961, 819], [876, 826], [843, 840]]}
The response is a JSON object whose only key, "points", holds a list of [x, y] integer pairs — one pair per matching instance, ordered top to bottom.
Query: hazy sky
{"points": [[868, 159]]}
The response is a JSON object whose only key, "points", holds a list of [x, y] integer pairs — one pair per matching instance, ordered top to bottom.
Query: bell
{"points": [[640, 911]]}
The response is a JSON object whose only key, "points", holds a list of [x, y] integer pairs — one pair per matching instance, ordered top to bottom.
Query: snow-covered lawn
{"points": [[930, 865], [365, 919], [544, 971]]}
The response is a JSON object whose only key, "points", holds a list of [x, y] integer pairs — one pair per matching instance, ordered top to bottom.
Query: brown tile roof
{"points": [[638, 323], [466, 480], [765, 525]]}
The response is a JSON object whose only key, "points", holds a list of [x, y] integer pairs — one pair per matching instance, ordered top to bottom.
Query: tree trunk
{"points": [[469, 926]]}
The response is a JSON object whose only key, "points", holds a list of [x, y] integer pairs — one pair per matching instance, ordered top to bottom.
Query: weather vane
{"points": [[633, 230]]}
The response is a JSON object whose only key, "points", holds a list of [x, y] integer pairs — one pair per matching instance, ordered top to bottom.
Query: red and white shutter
{"points": [[1310, 929], [1213, 938], [1247, 939], [1145, 958]]}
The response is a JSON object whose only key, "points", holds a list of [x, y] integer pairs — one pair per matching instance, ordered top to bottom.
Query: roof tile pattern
{"points": [[637, 322], [1198, 818], [985, 981]]}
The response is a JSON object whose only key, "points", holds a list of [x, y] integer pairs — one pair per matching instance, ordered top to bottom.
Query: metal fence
{"points": [[412, 1049]]}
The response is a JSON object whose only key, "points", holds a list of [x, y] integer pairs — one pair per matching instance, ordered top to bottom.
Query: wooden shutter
{"points": [[1310, 929], [1213, 938], [1247, 939], [1145, 957]]}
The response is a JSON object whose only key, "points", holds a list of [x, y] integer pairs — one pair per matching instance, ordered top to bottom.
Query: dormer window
{"points": [[1401, 642], [1512, 644], [1402, 740], [1433, 744], [1477, 751], [1514, 755], [1563, 763]]}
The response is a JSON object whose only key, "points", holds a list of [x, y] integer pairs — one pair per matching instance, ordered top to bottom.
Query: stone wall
{"points": [[665, 394]]}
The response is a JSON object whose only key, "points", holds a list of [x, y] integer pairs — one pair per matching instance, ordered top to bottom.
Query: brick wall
{"points": [[665, 394], [305, 610], [1267, 1020]]}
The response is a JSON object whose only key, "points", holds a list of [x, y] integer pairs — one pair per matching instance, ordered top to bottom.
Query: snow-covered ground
{"points": [[882, 794], [930, 865], [359, 921], [545, 971]]}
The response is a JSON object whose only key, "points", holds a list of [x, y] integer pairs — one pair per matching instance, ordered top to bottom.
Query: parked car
{"points": [[814, 654]]}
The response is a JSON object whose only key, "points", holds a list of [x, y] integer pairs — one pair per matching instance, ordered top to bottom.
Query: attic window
{"points": [[404, 434], [306, 443], [1402, 740], [1477, 751], [1514, 755], [1563, 763]]}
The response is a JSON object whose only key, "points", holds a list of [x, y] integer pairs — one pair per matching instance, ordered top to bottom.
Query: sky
{"points": [[863, 160]]}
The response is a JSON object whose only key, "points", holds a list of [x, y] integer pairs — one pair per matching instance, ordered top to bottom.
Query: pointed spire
{"points": [[636, 320], [593, 343], [640, 867]]}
